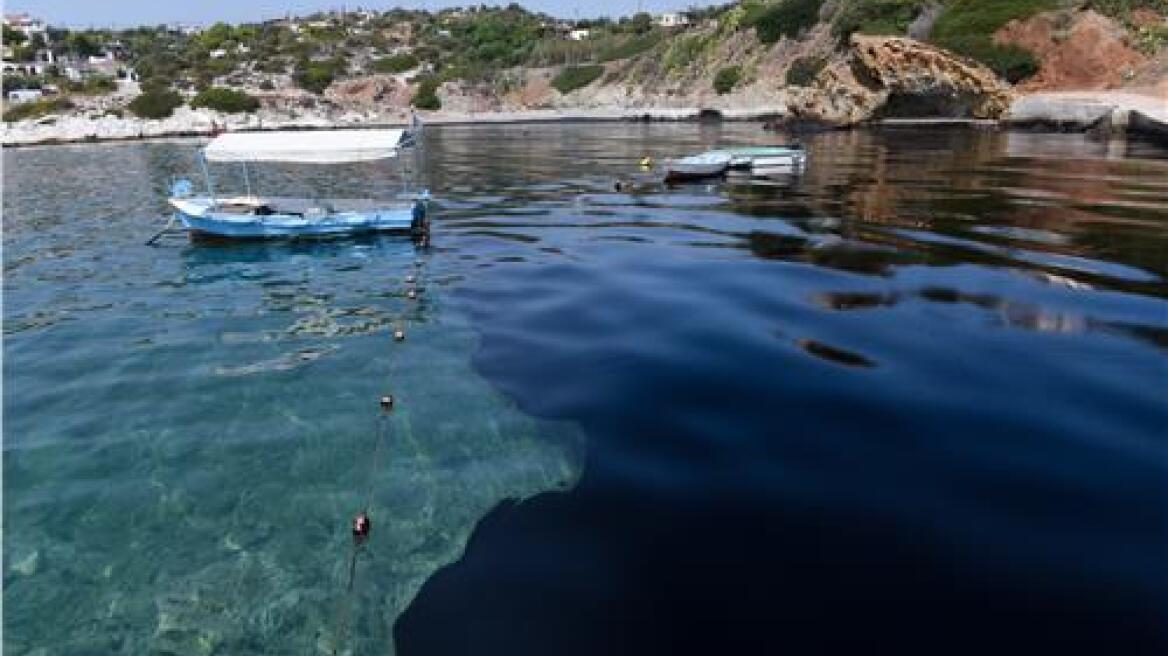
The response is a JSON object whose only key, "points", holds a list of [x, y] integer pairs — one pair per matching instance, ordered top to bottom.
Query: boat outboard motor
{"points": [[418, 224]]}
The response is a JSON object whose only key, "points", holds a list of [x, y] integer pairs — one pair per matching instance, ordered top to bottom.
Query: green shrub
{"points": [[1123, 9], [875, 17], [784, 18], [963, 18], [967, 26], [13, 36], [1149, 39], [629, 46], [684, 50], [559, 52], [395, 63], [1014, 63], [271, 65], [804, 70], [316, 76], [575, 77], [726, 79], [11, 82], [155, 84], [96, 85], [426, 97], [225, 100], [155, 103], [35, 109]]}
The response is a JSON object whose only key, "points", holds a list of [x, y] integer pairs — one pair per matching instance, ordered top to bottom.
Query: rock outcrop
{"points": [[896, 76], [370, 91], [1107, 113]]}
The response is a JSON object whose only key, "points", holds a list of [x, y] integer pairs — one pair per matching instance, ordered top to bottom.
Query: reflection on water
{"points": [[910, 396], [909, 401]]}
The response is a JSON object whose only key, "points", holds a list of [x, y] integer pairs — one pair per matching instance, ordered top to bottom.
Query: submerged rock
{"points": [[897, 76], [28, 565]]}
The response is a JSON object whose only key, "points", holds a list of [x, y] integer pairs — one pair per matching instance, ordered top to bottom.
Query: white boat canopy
{"points": [[317, 147]]}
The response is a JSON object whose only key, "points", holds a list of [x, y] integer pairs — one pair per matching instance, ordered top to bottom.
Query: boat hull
{"points": [[765, 156], [793, 160], [697, 167], [690, 174], [204, 222]]}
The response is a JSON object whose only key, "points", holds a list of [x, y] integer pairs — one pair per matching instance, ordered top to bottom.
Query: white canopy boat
{"points": [[696, 167], [252, 216]]}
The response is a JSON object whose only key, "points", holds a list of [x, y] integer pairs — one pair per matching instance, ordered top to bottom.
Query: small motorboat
{"points": [[766, 157], [709, 164], [259, 217]]}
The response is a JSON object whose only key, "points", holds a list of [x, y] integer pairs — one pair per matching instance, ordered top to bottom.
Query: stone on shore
{"points": [[1114, 112]]}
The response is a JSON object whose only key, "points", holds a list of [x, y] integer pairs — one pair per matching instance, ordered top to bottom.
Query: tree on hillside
{"points": [[641, 23], [13, 37], [214, 37], [81, 44]]}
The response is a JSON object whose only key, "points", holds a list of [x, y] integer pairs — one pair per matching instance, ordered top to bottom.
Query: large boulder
{"points": [[896, 76]]}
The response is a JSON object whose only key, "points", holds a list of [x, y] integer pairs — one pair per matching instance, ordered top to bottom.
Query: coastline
{"points": [[1112, 113], [74, 129]]}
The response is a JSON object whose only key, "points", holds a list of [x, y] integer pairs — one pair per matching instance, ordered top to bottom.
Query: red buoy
{"points": [[361, 526]]}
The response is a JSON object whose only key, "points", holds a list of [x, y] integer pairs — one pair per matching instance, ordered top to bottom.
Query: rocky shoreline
{"points": [[879, 79], [1106, 113], [187, 122]]}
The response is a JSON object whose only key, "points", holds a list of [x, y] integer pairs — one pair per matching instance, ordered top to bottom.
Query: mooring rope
{"points": [[362, 525]]}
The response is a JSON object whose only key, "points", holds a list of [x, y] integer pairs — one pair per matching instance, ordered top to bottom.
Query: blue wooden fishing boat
{"points": [[252, 216]]}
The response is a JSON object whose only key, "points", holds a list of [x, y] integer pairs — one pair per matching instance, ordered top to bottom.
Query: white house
{"points": [[671, 19], [27, 25], [184, 28], [578, 35], [102, 59], [27, 69], [24, 95]]}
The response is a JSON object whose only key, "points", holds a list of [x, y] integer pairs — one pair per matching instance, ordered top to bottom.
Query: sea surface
{"points": [[911, 399]]}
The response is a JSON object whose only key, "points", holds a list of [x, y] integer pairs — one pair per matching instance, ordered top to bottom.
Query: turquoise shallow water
{"points": [[911, 398], [188, 430]]}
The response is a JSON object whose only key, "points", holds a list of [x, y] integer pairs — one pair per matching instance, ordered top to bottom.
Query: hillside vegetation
{"points": [[721, 49]]}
